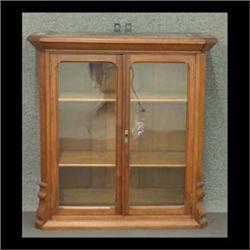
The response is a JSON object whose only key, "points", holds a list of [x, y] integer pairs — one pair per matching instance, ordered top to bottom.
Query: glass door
{"points": [[158, 134], [88, 160]]}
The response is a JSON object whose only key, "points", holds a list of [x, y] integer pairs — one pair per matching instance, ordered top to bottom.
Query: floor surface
{"points": [[217, 227]]}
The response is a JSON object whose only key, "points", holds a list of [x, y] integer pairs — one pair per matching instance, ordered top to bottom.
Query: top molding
{"points": [[192, 43]]}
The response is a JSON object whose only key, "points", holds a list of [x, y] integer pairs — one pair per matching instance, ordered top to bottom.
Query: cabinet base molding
{"points": [[120, 222]]}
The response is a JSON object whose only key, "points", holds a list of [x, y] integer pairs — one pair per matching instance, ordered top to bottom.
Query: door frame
{"points": [[189, 59], [123, 63], [57, 209]]}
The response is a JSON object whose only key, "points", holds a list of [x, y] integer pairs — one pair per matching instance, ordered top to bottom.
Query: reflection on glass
{"points": [[88, 80], [162, 128], [158, 131], [87, 133]]}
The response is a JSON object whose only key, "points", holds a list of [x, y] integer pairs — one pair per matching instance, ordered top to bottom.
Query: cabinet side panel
{"points": [[190, 137], [53, 139], [43, 210], [199, 212]]}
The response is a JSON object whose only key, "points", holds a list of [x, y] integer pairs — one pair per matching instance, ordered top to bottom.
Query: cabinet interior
{"points": [[87, 133]]}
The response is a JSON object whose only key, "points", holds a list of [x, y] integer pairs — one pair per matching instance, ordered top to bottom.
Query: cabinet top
{"points": [[124, 42]]}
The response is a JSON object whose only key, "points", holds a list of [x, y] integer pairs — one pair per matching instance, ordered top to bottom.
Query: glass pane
{"points": [[93, 79], [167, 80], [87, 133], [158, 133], [87, 186], [157, 186]]}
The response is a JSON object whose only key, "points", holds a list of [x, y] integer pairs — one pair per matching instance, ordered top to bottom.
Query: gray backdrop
{"points": [[216, 103]]}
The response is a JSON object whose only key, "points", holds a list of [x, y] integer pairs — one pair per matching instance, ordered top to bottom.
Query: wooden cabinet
{"points": [[122, 120]]}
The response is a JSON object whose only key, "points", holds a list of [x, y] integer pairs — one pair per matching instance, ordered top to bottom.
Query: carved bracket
{"points": [[41, 210], [200, 211]]}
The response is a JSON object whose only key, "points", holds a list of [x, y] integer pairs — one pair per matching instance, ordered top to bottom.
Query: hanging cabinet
{"points": [[122, 120]]}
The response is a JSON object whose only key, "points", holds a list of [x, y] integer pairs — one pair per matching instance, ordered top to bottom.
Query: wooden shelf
{"points": [[107, 97], [112, 98], [87, 159], [107, 159], [106, 196]]}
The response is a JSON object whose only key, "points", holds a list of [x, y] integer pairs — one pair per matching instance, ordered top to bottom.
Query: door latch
{"points": [[126, 135]]}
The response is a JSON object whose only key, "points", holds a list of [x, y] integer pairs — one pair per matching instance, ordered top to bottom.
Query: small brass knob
{"points": [[126, 136]]}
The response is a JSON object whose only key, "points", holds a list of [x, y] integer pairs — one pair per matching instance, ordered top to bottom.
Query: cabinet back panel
{"points": [[86, 78], [160, 78], [87, 126], [164, 127], [87, 186], [157, 186]]}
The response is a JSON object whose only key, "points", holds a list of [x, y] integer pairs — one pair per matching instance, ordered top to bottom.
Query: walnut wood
{"points": [[153, 43], [122, 51], [111, 98], [54, 125], [126, 126], [119, 136], [189, 180], [43, 211], [199, 211], [121, 222]]}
